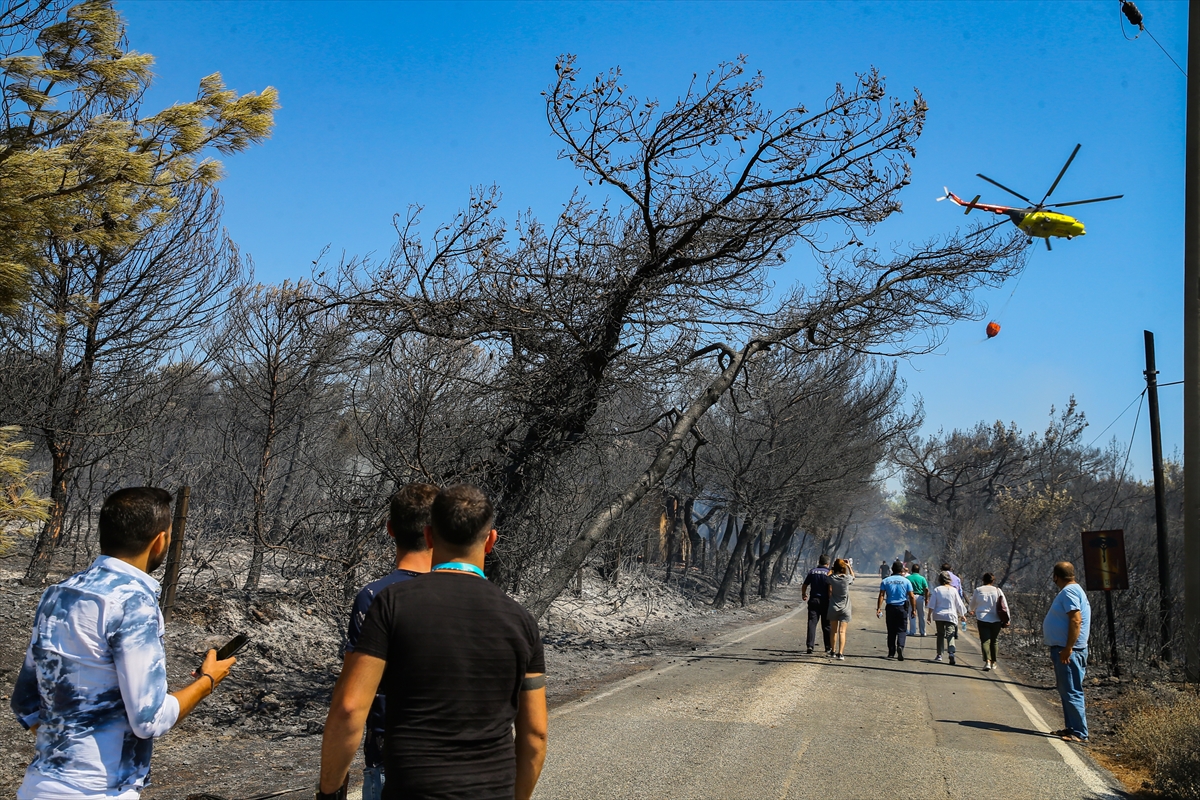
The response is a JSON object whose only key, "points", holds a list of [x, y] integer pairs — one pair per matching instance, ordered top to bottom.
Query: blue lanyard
{"points": [[458, 566]]}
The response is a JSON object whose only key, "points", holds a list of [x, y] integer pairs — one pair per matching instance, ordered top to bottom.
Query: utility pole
{"points": [[1191, 354], [1160, 504]]}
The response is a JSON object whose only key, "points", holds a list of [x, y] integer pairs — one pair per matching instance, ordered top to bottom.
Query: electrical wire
{"points": [[1130, 11], [1165, 53], [1141, 394], [1128, 450]]}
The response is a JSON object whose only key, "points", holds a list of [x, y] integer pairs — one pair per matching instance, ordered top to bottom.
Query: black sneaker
{"points": [[808, 651], [900, 655], [952, 661]]}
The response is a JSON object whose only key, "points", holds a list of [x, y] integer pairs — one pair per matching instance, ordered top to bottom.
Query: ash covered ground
{"points": [[261, 730]]}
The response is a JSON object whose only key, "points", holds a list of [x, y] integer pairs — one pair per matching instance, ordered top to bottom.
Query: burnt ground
{"points": [[261, 731]]}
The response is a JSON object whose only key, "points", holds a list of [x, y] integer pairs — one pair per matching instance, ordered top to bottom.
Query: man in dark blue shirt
{"points": [[408, 515], [816, 591]]}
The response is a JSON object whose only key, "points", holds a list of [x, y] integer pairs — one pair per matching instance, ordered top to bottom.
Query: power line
{"points": [[1131, 13], [1115, 421], [1128, 450]]}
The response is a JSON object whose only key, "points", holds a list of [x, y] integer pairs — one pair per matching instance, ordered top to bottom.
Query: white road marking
{"points": [[634, 680], [1090, 778]]}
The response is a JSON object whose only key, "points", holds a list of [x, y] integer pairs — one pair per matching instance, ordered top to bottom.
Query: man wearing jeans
{"points": [[897, 591], [1065, 630]]}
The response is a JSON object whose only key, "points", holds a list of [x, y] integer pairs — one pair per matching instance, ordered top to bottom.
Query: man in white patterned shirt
{"points": [[94, 682]]}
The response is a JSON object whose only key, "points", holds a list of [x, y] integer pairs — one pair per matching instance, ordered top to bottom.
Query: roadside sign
{"points": [[1104, 560]]}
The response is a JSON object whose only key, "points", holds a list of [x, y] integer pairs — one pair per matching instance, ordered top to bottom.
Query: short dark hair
{"points": [[408, 514], [462, 515], [130, 519], [823, 561], [897, 567], [915, 567], [946, 567], [1064, 571], [988, 577]]}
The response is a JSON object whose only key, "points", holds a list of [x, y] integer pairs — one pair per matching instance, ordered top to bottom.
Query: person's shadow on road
{"points": [[996, 726]]}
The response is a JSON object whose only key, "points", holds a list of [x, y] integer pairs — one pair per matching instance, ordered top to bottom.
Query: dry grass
{"points": [[1163, 738]]}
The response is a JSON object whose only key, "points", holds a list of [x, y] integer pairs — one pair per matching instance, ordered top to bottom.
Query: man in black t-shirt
{"points": [[816, 591], [464, 665]]}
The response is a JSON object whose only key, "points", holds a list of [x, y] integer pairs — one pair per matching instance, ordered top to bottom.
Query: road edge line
{"points": [[633, 680], [1091, 779]]}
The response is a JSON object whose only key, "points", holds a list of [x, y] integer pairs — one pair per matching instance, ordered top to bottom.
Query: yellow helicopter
{"points": [[1034, 220]]}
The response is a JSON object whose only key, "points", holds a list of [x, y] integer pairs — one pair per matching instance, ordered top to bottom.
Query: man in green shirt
{"points": [[920, 589]]}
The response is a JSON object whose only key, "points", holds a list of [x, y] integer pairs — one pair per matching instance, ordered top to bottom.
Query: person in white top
{"points": [[946, 608], [990, 609]]}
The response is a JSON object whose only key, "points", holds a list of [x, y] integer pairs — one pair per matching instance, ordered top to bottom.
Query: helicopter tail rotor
{"points": [[946, 196]]}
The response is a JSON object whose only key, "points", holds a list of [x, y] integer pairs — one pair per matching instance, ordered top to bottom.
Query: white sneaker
{"points": [[987, 665]]}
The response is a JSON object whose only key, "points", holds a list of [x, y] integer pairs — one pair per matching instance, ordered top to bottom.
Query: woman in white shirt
{"points": [[987, 604], [945, 608]]}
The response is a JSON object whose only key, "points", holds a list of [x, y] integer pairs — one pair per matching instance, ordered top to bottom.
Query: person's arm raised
{"points": [[352, 698], [531, 728]]}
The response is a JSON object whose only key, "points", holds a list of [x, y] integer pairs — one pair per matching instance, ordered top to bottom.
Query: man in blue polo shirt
{"points": [[897, 592], [1065, 631]]}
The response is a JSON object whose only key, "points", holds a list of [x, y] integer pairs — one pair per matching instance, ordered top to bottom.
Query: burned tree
{"points": [[712, 191]]}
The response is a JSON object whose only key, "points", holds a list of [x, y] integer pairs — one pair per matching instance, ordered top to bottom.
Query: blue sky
{"points": [[391, 104]]}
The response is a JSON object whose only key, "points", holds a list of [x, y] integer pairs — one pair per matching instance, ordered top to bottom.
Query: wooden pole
{"points": [[1191, 355], [1160, 504], [175, 553], [1112, 633]]}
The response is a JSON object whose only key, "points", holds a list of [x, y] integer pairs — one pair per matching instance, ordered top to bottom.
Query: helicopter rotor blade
{"points": [[1061, 172], [1005, 188], [1081, 202], [985, 230]]}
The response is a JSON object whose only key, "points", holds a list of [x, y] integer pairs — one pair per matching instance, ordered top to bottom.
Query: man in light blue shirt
{"points": [[898, 593], [1065, 631], [94, 682]]}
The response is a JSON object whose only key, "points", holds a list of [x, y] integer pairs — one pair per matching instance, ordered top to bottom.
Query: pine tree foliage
{"points": [[76, 160], [20, 506]]}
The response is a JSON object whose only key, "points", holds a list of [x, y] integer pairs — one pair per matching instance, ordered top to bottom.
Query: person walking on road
{"points": [[883, 570], [955, 581], [815, 590], [897, 592], [920, 592], [839, 605], [946, 609], [991, 614], [1065, 631]]}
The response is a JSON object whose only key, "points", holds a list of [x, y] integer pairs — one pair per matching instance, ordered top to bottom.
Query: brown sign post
{"points": [[1104, 560], [1104, 570]]}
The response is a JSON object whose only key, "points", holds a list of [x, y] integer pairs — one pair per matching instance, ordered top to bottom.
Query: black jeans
{"points": [[816, 613], [897, 627]]}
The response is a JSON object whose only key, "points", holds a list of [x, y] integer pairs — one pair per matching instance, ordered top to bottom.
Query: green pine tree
{"points": [[78, 161], [20, 506]]}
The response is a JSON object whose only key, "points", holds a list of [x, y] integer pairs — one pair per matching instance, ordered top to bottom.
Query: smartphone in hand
{"points": [[231, 648], [228, 650]]}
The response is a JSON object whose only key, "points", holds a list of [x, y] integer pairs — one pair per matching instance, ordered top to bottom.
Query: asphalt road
{"points": [[754, 717]]}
